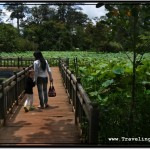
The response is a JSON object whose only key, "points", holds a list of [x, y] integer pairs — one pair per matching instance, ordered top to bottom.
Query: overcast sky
{"points": [[89, 9]]}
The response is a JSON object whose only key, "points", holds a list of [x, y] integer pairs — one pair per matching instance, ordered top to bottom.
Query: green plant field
{"points": [[50, 54], [68, 54], [107, 79]]}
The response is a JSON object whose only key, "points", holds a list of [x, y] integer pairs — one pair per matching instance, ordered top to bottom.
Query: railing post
{"points": [[0, 61], [4, 62], [18, 62], [21, 62], [59, 62], [67, 62], [7, 64], [60, 66], [76, 66], [24, 76], [66, 78], [71, 87], [16, 88], [77, 100], [4, 108], [1, 109], [94, 124]]}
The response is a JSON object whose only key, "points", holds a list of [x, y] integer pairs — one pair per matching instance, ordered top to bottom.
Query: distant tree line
{"points": [[64, 27]]}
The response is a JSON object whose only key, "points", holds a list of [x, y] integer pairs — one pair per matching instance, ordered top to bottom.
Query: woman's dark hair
{"points": [[38, 56]]}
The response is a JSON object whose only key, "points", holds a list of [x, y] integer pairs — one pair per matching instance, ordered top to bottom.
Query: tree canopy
{"points": [[64, 26]]}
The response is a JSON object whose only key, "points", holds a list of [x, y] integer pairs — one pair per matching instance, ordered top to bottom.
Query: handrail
{"points": [[24, 62], [10, 91], [86, 112]]}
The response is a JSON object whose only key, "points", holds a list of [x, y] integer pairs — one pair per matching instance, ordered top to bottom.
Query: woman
{"points": [[41, 68]]}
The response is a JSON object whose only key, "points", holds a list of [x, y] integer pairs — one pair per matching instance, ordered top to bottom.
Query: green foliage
{"points": [[121, 18], [66, 27], [55, 29], [8, 35], [10, 41], [144, 43], [24, 45], [107, 79]]}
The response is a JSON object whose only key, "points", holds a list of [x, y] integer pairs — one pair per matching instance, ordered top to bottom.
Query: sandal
{"points": [[46, 106], [40, 107], [26, 109]]}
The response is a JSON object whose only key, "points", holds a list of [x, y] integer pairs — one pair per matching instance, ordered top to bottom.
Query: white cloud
{"points": [[93, 12], [6, 18]]}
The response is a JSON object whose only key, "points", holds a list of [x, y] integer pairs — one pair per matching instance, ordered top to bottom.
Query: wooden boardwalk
{"points": [[52, 126]]}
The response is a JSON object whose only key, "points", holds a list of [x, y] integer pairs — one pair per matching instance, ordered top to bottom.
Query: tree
{"points": [[18, 11], [40, 14], [70, 14], [0, 15], [66, 18], [128, 23], [8, 35]]}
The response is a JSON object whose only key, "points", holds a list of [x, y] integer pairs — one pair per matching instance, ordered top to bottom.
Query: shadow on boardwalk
{"points": [[52, 126]]}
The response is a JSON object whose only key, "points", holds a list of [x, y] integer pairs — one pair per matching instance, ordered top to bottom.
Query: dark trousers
{"points": [[42, 90]]}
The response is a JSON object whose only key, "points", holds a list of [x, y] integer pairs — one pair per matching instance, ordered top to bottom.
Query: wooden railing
{"points": [[15, 62], [24, 62], [12, 88], [10, 92], [86, 112]]}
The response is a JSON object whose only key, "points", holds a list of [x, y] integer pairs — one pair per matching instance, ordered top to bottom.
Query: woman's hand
{"points": [[51, 79]]}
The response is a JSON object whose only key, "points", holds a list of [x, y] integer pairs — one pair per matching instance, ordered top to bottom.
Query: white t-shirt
{"points": [[38, 70]]}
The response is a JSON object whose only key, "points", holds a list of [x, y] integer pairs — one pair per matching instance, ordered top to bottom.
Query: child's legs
{"points": [[27, 100], [31, 100]]}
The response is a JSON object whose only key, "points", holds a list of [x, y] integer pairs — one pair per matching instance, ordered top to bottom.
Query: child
{"points": [[29, 91]]}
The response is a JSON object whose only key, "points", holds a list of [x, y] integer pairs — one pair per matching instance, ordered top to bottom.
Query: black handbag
{"points": [[51, 91]]}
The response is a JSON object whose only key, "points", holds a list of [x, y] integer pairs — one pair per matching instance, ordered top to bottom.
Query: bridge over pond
{"points": [[71, 119], [50, 126]]}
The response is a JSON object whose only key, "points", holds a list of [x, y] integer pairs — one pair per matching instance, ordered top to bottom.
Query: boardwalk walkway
{"points": [[52, 126]]}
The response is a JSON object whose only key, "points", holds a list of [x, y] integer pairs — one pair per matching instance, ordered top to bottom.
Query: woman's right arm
{"points": [[35, 72]]}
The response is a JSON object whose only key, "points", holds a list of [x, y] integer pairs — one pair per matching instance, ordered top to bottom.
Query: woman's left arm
{"points": [[49, 72]]}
